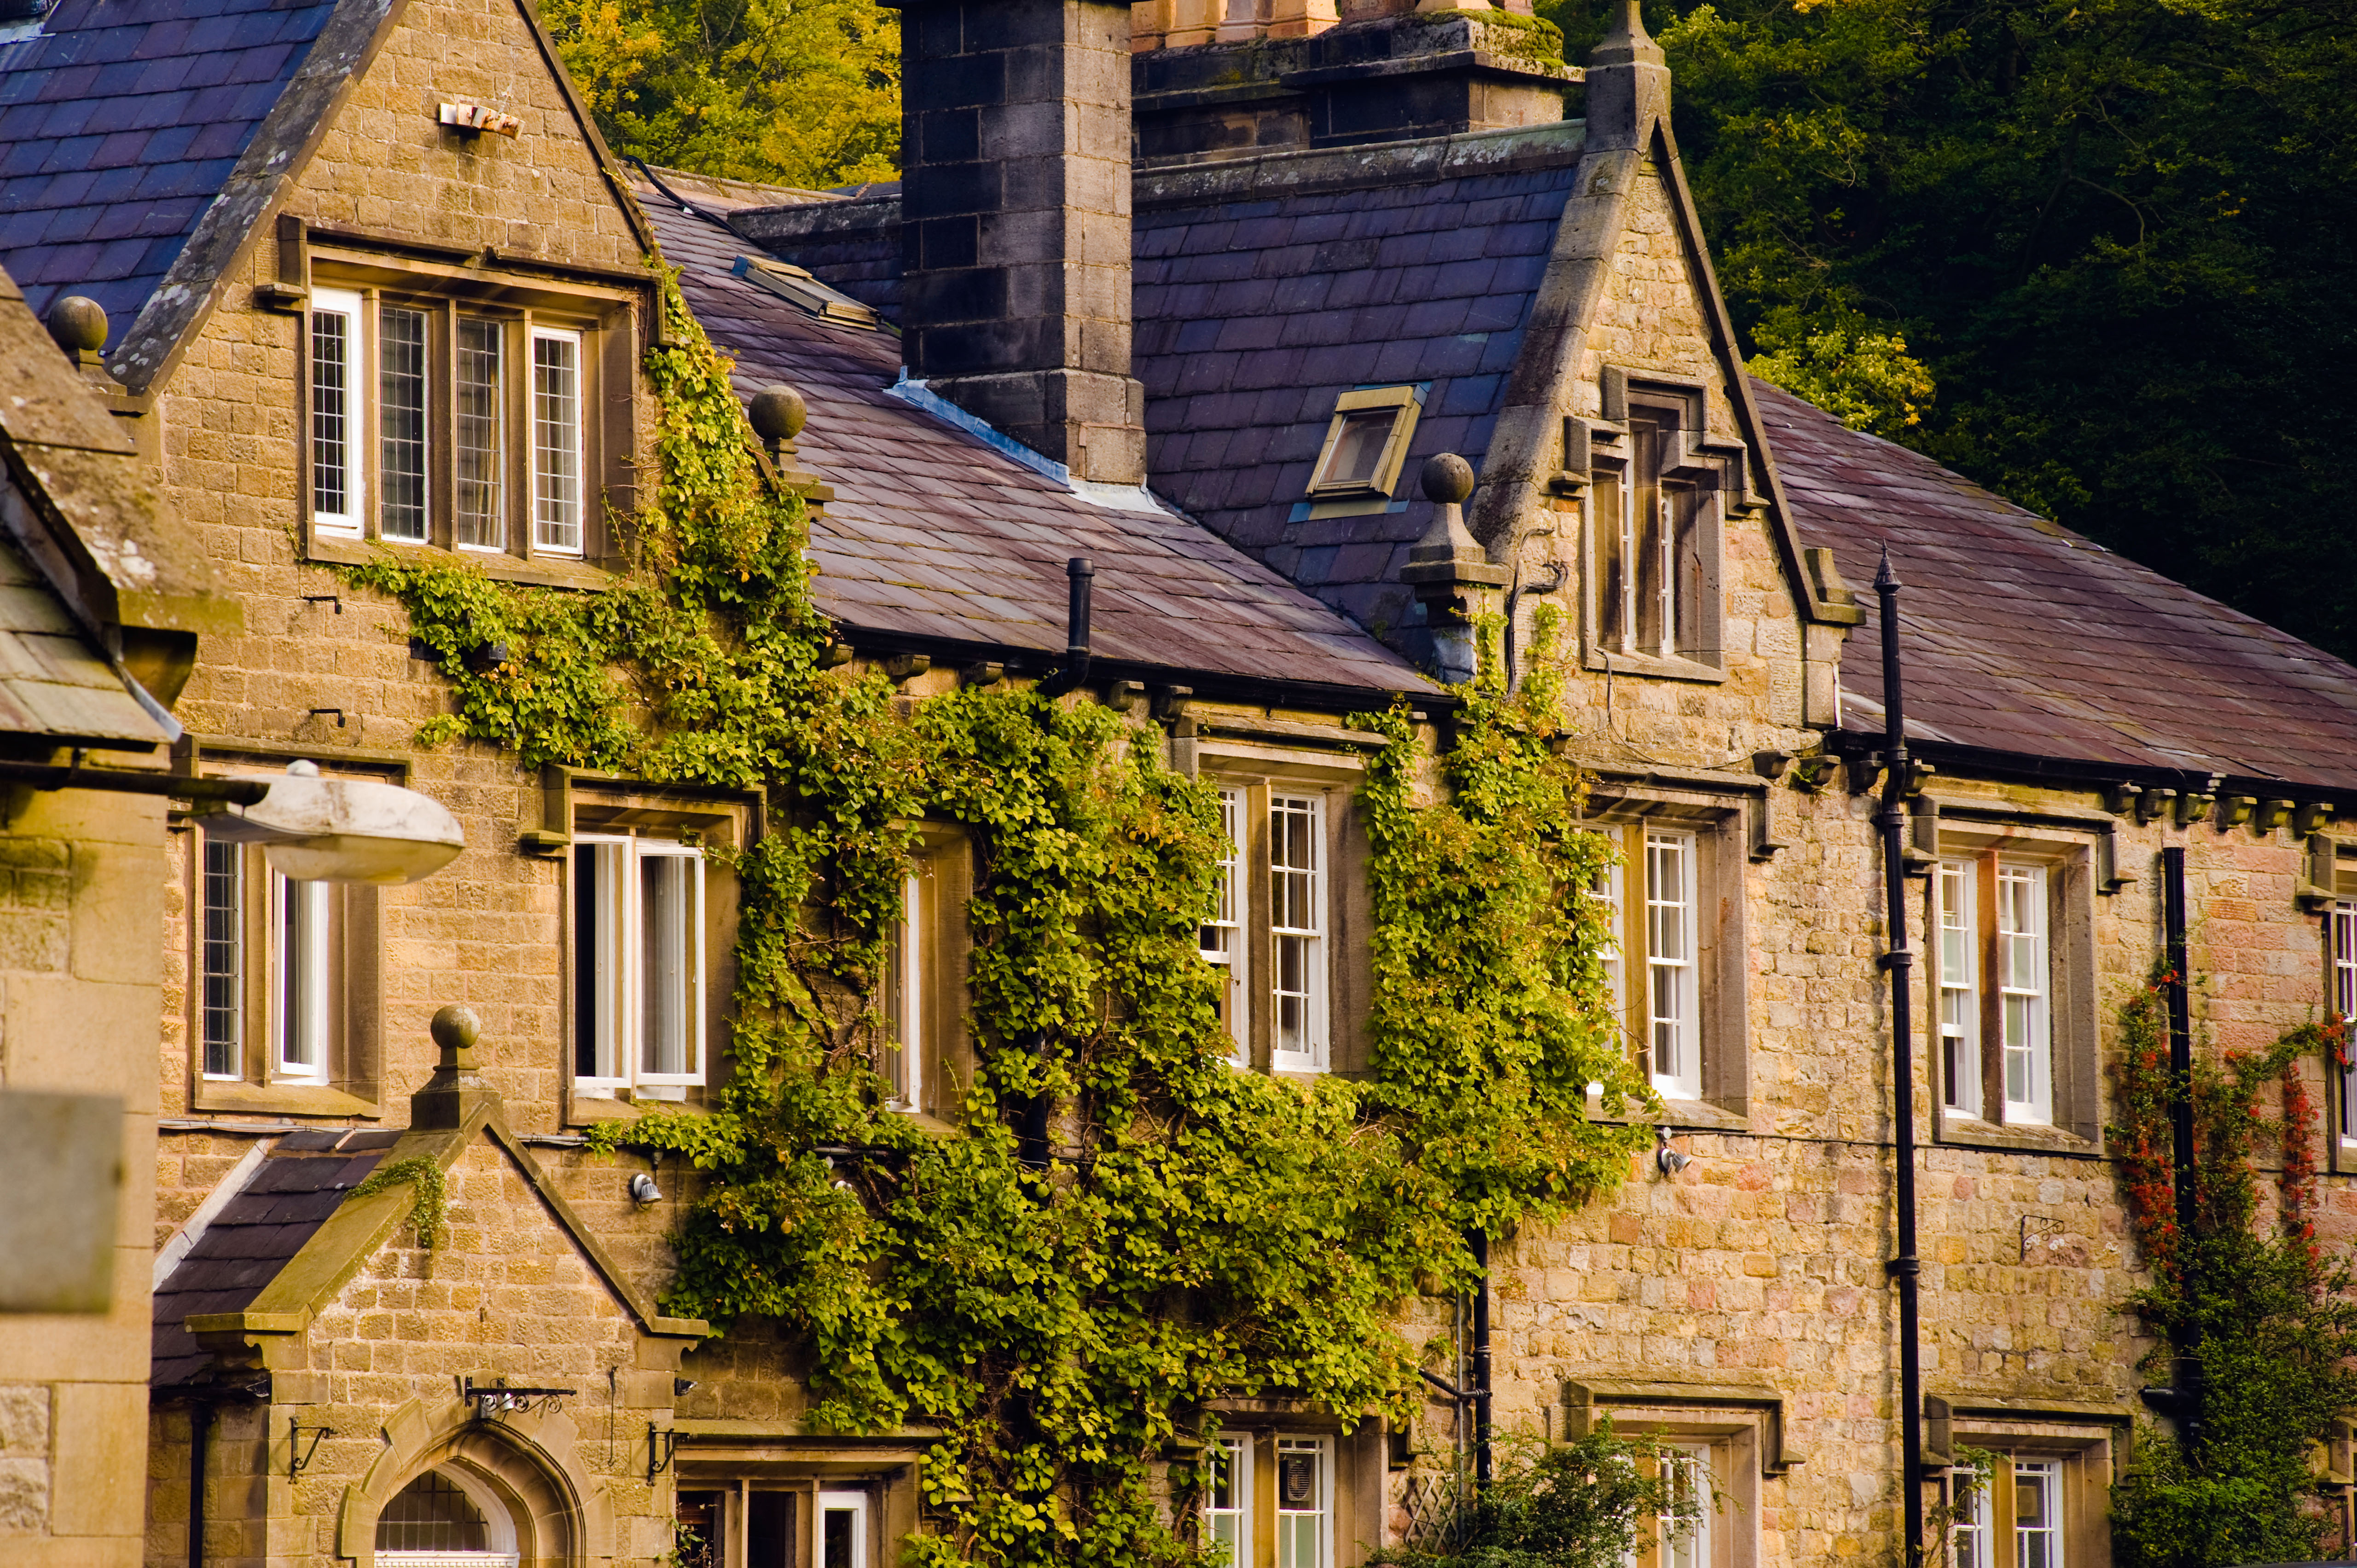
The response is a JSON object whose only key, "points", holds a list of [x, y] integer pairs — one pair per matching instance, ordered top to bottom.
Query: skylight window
{"points": [[1366, 443]]}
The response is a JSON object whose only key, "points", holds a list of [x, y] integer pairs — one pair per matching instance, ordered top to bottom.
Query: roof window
{"points": [[797, 287], [1366, 444]]}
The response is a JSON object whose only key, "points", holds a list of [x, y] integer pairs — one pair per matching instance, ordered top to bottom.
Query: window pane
{"points": [[332, 358], [401, 415], [556, 441], [1358, 453], [481, 488], [1683, 504], [1648, 545], [1611, 562], [1296, 920], [1221, 939], [223, 960], [597, 960], [2021, 970], [1670, 973], [303, 974], [665, 981], [898, 983], [1959, 986], [2344, 1001], [1302, 1491], [1227, 1501], [432, 1513], [2037, 1515], [769, 1530], [842, 1530], [1685, 1531], [1970, 1533]]}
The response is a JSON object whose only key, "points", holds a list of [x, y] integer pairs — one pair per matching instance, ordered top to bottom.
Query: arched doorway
{"points": [[446, 1518]]}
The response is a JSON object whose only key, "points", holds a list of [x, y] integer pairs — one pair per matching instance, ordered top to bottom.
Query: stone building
{"points": [[1192, 295], [101, 602]]}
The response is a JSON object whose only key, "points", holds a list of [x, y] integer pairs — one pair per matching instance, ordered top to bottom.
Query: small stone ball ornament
{"points": [[78, 324], [779, 412], [1448, 478], [455, 1030]]}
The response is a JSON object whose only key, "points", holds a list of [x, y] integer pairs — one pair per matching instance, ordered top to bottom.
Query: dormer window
{"points": [[451, 407], [1654, 522]]}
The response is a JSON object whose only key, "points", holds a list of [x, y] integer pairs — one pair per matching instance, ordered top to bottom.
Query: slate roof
{"points": [[119, 122], [1255, 310], [71, 488], [932, 535], [2022, 637], [283, 1202]]}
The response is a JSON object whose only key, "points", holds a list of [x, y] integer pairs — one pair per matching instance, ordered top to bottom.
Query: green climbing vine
{"points": [[430, 1188], [1191, 1232], [2265, 1316]]}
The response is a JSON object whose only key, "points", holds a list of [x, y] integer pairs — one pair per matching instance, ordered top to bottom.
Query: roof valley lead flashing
{"points": [[1113, 497]]}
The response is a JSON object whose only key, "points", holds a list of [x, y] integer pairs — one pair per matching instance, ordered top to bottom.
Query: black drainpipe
{"points": [[1075, 668], [1898, 962], [2181, 1131], [1480, 1389], [200, 1426]]}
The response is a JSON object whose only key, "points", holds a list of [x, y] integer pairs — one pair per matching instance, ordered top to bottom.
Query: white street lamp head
{"points": [[344, 830]]}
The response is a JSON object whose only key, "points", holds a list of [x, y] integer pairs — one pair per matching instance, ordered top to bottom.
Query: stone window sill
{"points": [[546, 572], [1650, 666], [281, 1098], [1971, 1133]]}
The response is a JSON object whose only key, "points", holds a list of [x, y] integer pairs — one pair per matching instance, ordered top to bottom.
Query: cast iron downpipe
{"points": [[1074, 670], [1898, 962], [1480, 1389], [2188, 1402], [200, 1426]]}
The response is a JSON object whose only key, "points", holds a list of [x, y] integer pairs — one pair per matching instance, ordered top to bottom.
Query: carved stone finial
{"points": [[1626, 41], [78, 322], [779, 413], [1447, 479], [455, 1030]]}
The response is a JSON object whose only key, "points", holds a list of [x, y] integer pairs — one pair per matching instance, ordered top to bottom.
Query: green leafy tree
{"points": [[798, 92], [2113, 236]]}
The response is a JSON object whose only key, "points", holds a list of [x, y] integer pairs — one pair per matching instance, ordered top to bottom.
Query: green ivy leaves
{"points": [[1194, 1232]]}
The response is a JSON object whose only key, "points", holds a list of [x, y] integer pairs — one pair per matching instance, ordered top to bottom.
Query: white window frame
{"points": [[427, 388], [358, 428], [501, 435], [550, 536], [1230, 907], [1955, 924], [233, 947], [622, 953], [1673, 967], [308, 973], [2344, 1003], [2026, 1012], [906, 1020], [1317, 1032], [1233, 1452], [2048, 1474], [855, 1505], [1322, 1516], [1696, 1545]]}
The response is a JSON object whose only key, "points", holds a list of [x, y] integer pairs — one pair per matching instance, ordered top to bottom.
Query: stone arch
{"points": [[523, 1460]]}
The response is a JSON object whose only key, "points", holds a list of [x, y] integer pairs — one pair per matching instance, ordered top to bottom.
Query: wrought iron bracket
{"points": [[494, 1400], [662, 1448], [298, 1459]]}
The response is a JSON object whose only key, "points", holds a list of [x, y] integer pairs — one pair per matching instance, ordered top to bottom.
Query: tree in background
{"points": [[801, 92], [2099, 255]]}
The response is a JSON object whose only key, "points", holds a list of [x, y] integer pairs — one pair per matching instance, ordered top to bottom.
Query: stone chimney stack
{"points": [[1016, 222]]}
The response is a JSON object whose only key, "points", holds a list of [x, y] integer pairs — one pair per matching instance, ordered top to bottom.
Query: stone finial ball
{"points": [[78, 322], [779, 412], [1447, 477], [455, 1028]]}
